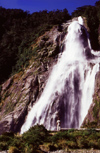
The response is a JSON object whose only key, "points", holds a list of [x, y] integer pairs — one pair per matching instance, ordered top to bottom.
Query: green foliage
{"points": [[92, 14], [18, 30], [9, 107], [60, 135], [35, 136], [38, 136], [76, 139], [5, 140], [27, 143], [3, 145], [14, 150]]}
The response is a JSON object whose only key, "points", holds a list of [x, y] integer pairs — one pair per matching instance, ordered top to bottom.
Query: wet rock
{"points": [[49, 43], [44, 52], [7, 84], [34, 90], [92, 119], [14, 120], [5, 124]]}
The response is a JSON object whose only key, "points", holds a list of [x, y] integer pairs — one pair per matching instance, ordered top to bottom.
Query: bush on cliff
{"points": [[18, 30]]}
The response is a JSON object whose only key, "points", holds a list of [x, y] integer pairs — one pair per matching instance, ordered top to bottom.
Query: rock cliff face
{"points": [[22, 90], [92, 120]]}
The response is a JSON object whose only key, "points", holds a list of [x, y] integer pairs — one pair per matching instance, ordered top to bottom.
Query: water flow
{"points": [[68, 92]]}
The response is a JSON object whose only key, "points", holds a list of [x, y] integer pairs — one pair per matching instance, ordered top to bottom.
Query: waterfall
{"points": [[67, 95]]}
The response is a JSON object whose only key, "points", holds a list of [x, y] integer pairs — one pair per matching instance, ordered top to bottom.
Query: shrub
{"points": [[35, 136], [59, 136], [62, 144], [71, 144], [93, 144], [3, 146], [13, 150]]}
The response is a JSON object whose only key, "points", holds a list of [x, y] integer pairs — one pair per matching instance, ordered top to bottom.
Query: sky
{"points": [[39, 5]]}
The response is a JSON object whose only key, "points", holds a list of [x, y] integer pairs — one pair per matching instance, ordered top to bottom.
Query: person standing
{"points": [[58, 125]]}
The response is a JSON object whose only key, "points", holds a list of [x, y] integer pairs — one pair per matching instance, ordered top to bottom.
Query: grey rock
{"points": [[22, 90]]}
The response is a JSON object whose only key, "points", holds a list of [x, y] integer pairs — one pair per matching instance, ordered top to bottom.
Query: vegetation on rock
{"points": [[92, 14], [18, 30], [27, 50], [38, 140]]}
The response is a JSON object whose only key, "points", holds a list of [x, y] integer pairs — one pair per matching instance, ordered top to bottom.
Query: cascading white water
{"points": [[68, 92]]}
